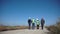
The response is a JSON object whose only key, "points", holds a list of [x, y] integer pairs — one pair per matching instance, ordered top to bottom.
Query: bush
{"points": [[55, 29]]}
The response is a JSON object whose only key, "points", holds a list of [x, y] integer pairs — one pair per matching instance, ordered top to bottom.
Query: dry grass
{"points": [[5, 28], [55, 29]]}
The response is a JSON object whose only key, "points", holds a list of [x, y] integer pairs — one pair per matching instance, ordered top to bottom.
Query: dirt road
{"points": [[26, 31]]}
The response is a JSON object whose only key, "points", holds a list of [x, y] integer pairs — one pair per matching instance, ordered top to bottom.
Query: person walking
{"points": [[29, 22], [37, 23], [42, 23], [33, 24]]}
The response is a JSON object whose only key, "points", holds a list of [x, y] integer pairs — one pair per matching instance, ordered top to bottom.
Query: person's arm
{"points": [[31, 21], [35, 21], [44, 21], [39, 22]]}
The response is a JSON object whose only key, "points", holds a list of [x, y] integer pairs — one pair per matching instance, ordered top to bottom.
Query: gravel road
{"points": [[26, 31]]}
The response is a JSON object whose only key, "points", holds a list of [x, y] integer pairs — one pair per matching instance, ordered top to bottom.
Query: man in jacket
{"points": [[29, 22], [42, 23]]}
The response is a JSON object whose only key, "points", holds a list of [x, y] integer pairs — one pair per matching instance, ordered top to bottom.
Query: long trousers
{"points": [[29, 25], [33, 25], [37, 26], [42, 26]]}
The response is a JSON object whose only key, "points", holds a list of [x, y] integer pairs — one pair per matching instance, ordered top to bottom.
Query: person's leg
{"points": [[29, 25], [32, 25], [37, 26], [42, 26]]}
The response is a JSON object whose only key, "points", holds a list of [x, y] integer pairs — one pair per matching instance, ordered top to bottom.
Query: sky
{"points": [[17, 12]]}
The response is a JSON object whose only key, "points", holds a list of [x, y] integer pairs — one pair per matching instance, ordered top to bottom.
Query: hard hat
{"points": [[37, 19]]}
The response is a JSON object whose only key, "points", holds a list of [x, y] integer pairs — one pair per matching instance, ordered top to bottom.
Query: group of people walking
{"points": [[38, 22]]}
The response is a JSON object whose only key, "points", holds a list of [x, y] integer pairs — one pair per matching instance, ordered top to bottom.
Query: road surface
{"points": [[26, 31]]}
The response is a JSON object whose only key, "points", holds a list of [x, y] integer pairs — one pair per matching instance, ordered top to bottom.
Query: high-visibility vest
{"points": [[33, 20], [37, 22]]}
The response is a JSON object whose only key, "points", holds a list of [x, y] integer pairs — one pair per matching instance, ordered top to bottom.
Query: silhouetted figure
{"points": [[29, 23], [37, 23], [42, 23], [33, 24]]}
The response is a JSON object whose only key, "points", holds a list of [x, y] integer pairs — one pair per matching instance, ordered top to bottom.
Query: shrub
{"points": [[55, 29]]}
